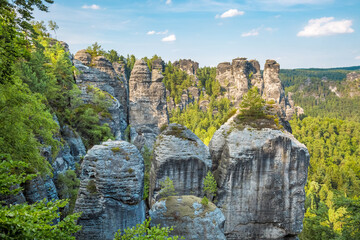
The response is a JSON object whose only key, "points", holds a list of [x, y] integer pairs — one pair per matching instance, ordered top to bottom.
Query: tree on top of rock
{"points": [[252, 104]]}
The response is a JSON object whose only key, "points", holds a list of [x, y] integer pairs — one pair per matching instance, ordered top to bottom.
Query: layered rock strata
{"points": [[187, 65], [100, 73], [242, 74], [147, 104], [180, 155], [261, 176], [111, 190], [189, 217]]}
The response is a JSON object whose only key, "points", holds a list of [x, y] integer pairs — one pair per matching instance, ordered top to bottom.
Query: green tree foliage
{"points": [[53, 26], [95, 50], [150, 61], [206, 76], [176, 81], [252, 105], [203, 123], [147, 155], [68, 185], [333, 185], [210, 186], [167, 188], [204, 201], [36, 221], [144, 231]]}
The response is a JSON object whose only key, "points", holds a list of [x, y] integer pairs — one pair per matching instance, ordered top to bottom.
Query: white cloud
{"points": [[168, 2], [93, 7], [230, 13], [326, 26], [253, 32], [157, 33], [170, 38], [357, 58]]}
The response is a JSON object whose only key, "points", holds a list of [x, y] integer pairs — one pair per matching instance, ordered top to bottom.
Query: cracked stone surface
{"points": [[111, 190]]}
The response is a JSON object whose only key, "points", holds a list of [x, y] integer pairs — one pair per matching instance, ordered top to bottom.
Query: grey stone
{"points": [[187, 65], [147, 104], [180, 155], [261, 176], [111, 190], [189, 217]]}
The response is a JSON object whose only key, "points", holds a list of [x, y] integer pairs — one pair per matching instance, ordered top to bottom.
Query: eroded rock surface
{"points": [[187, 65], [110, 78], [147, 105], [180, 155], [261, 176], [111, 190], [189, 217]]}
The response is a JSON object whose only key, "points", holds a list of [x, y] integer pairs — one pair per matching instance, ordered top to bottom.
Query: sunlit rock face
{"points": [[100, 73], [238, 77], [147, 104], [180, 155], [261, 176], [111, 190], [190, 218]]}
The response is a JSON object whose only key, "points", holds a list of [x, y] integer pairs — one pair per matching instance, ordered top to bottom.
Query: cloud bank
{"points": [[93, 7], [230, 13], [326, 26], [170, 38]]}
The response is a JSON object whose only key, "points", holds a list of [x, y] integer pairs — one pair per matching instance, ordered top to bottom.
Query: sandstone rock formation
{"points": [[187, 65], [102, 74], [239, 76], [353, 84], [147, 104], [180, 155], [261, 176], [111, 190], [189, 217]]}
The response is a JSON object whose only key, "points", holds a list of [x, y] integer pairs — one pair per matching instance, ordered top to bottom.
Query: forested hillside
{"points": [[330, 130]]}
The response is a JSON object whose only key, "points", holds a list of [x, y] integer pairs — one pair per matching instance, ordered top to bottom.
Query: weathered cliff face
{"points": [[187, 65], [102, 74], [239, 76], [353, 84], [147, 104], [180, 155], [261, 176], [111, 190], [189, 217]]}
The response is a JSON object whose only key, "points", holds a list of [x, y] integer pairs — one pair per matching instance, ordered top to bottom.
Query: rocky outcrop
{"points": [[187, 65], [102, 74], [238, 77], [352, 84], [147, 104], [180, 155], [261, 176], [111, 190], [189, 217]]}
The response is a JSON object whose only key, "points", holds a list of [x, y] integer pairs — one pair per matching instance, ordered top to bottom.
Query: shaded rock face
{"points": [[187, 65], [239, 76], [107, 77], [353, 84], [147, 104], [180, 155], [261, 176], [111, 190], [189, 217]]}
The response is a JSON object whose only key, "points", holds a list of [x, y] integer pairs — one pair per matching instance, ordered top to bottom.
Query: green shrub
{"points": [[115, 149], [68, 185], [210, 186], [91, 187], [167, 188], [204, 201], [144, 231]]}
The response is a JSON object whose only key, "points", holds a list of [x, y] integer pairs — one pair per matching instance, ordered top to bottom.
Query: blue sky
{"points": [[296, 33]]}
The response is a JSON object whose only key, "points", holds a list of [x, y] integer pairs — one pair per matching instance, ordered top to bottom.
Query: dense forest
{"points": [[38, 95]]}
